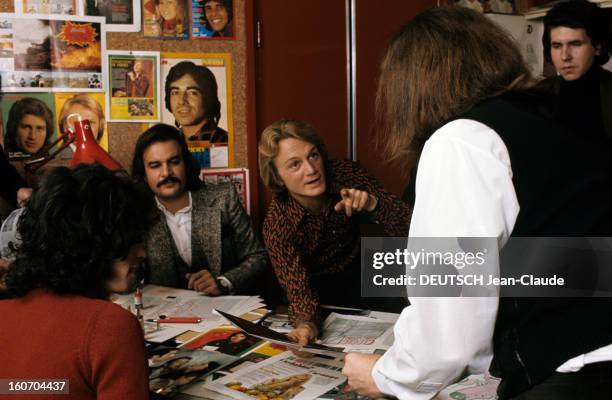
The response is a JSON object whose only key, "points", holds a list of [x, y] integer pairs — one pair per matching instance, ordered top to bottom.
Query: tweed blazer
{"points": [[222, 241]]}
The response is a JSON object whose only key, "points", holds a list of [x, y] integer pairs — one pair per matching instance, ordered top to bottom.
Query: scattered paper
{"points": [[356, 332], [283, 376]]}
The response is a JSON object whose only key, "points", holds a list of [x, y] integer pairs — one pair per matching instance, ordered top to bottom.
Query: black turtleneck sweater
{"points": [[578, 105]]}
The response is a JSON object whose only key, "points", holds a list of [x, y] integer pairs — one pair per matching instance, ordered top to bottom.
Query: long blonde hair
{"points": [[87, 102]]}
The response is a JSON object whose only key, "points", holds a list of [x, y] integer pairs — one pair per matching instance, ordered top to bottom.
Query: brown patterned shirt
{"points": [[301, 244]]}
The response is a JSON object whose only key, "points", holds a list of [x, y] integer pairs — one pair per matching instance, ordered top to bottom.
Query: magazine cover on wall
{"points": [[59, 7], [121, 15], [165, 19], [212, 19], [52, 53], [133, 92], [197, 98], [90, 106], [29, 123], [239, 177]]}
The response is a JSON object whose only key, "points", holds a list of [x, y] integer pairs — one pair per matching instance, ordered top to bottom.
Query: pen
{"points": [[138, 299], [177, 320]]}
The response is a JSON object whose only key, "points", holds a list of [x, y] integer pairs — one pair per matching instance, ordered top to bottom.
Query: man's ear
{"points": [[598, 50]]}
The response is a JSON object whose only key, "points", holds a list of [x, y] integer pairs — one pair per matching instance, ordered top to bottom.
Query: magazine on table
{"points": [[268, 334], [172, 369], [285, 376]]}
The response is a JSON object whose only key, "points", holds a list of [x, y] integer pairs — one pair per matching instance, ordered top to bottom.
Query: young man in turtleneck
{"points": [[577, 40]]}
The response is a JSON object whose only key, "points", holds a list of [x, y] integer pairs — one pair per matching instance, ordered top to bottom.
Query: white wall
{"points": [[528, 35]]}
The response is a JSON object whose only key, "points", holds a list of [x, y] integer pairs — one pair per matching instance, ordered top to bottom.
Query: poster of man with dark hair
{"points": [[212, 19], [197, 100]]}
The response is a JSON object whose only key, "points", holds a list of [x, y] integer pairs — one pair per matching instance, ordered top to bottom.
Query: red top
{"points": [[95, 344]]}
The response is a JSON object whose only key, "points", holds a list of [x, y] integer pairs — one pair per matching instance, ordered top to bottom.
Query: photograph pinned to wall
{"points": [[59, 7], [121, 15], [165, 19], [212, 19], [52, 53], [133, 92], [197, 98], [89, 106], [29, 123], [238, 177]]}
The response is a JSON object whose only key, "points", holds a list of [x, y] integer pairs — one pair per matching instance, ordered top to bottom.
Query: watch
{"points": [[224, 285]]}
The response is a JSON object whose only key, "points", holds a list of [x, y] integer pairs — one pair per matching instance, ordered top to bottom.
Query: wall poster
{"points": [[60, 7], [121, 15], [165, 19], [212, 19], [52, 53], [133, 93], [197, 98], [90, 106], [29, 123], [238, 177]]}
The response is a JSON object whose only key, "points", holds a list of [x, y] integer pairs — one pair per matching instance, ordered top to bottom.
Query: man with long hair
{"points": [[455, 93], [191, 96], [29, 127], [202, 238], [80, 241]]}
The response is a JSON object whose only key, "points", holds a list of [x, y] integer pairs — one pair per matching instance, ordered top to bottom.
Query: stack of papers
{"points": [[171, 302], [358, 333]]}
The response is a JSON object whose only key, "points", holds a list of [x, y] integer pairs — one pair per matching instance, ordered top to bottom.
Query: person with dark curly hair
{"points": [[218, 17], [191, 97], [29, 127], [80, 241]]}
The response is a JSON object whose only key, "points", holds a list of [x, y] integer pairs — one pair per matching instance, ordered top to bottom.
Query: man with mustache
{"points": [[578, 42], [191, 97], [203, 239]]}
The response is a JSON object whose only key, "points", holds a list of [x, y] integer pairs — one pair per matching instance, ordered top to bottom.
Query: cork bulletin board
{"points": [[122, 136]]}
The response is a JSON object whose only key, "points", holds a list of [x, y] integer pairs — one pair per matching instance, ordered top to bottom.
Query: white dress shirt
{"points": [[463, 189], [179, 224]]}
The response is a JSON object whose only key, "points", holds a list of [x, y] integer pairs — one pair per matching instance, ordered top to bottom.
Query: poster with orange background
{"points": [[90, 106]]}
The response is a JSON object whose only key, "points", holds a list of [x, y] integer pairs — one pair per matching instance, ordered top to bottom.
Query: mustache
{"points": [[169, 180]]}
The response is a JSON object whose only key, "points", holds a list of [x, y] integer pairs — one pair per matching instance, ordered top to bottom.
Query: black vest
{"points": [[564, 188]]}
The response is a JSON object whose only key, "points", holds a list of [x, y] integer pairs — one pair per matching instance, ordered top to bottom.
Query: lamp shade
{"points": [[88, 151]]}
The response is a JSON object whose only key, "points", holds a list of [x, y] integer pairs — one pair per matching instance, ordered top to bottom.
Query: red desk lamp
{"points": [[87, 151]]}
